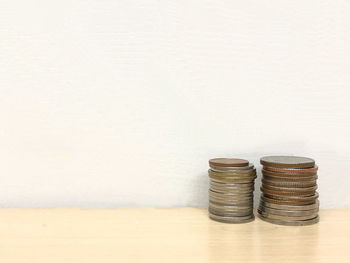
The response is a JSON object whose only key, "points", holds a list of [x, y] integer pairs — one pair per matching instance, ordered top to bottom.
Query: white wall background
{"points": [[122, 103]]}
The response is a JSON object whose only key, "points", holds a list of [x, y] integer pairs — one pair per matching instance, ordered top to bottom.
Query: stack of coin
{"points": [[288, 189], [231, 190]]}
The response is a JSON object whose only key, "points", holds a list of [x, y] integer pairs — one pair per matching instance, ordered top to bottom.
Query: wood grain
{"points": [[165, 235]]}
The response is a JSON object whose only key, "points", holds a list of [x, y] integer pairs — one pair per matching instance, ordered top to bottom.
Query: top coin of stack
{"points": [[288, 189], [231, 190]]}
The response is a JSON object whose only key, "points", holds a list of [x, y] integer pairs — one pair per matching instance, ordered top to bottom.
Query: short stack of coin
{"points": [[288, 189], [231, 190]]}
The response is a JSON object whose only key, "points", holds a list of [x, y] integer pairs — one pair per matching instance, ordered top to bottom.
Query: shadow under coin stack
{"points": [[288, 189], [231, 190]]}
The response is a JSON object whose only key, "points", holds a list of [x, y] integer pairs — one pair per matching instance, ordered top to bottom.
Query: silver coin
{"points": [[287, 161], [221, 168], [233, 172], [249, 179], [294, 179], [251, 182], [233, 184], [289, 184], [244, 188], [232, 189], [289, 189], [235, 192], [230, 194], [230, 198], [292, 198], [232, 203], [314, 205], [230, 207], [288, 212], [229, 213], [287, 218], [232, 220], [290, 223]]}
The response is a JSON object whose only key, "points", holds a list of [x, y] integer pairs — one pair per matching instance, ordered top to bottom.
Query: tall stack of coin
{"points": [[288, 189], [231, 190]]}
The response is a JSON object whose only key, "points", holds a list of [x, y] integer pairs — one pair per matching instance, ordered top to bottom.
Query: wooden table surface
{"points": [[165, 235]]}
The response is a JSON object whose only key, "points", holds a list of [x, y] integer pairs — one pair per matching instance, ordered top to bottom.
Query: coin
{"points": [[228, 162], [287, 162], [223, 168], [311, 170], [234, 173], [278, 174], [233, 179], [308, 179], [303, 184], [233, 185], [289, 189], [231, 190], [286, 193], [230, 194], [293, 198], [231, 201], [287, 201], [243, 203], [234, 204], [311, 206], [229, 207], [287, 212], [230, 213], [287, 218], [232, 220], [290, 223]]}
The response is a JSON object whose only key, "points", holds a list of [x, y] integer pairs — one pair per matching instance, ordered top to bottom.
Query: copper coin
{"points": [[228, 162], [287, 162], [312, 170], [286, 175], [289, 184], [286, 193]]}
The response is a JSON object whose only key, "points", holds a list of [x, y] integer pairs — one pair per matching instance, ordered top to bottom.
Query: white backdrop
{"points": [[122, 103]]}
